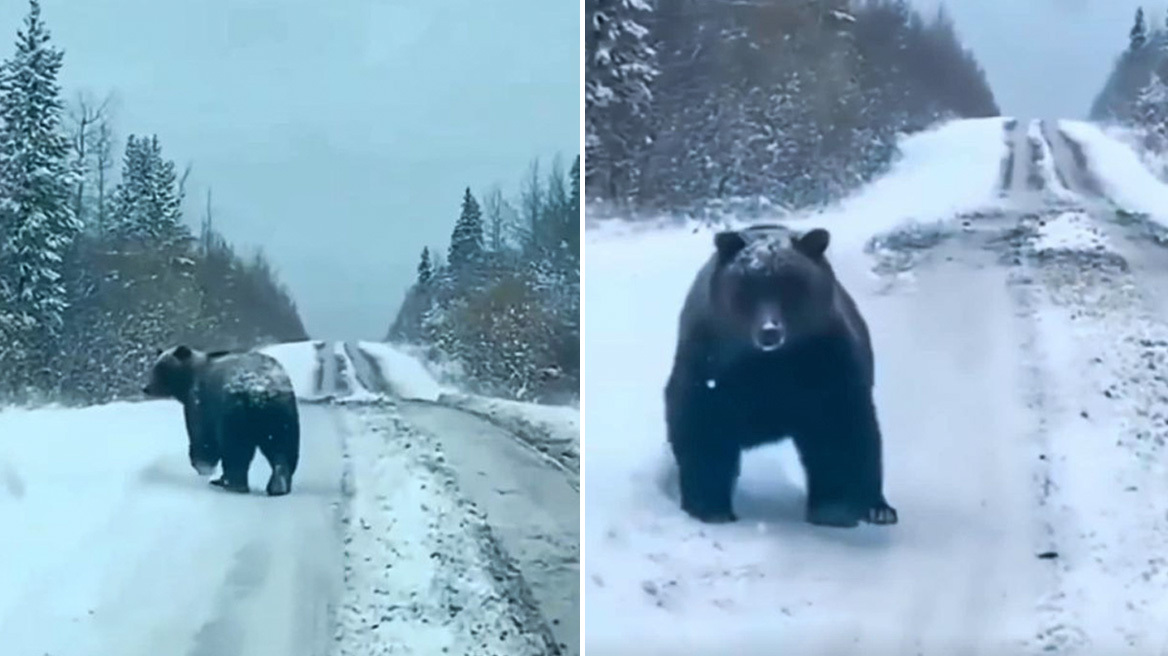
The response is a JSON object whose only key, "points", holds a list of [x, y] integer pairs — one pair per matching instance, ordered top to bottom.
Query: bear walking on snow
{"points": [[770, 346], [233, 404]]}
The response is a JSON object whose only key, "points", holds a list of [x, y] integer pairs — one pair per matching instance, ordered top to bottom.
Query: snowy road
{"points": [[1019, 342], [411, 529], [166, 565]]}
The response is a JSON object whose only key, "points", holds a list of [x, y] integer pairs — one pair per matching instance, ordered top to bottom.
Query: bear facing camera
{"points": [[771, 346], [233, 404]]}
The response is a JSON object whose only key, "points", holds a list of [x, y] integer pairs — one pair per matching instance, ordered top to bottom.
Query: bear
{"points": [[771, 346], [233, 403]]}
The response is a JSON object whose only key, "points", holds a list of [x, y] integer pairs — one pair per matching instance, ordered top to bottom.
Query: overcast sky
{"points": [[1045, 58], [337, 135]]}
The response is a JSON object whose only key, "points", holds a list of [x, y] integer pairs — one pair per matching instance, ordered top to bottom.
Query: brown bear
{"points": [[770, 346], [233, 404]]}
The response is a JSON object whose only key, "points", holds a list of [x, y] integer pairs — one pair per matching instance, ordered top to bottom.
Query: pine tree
{"points": [[1139, 31], [620, 67], [1150, 112], [574, 198], [147, 202], [573, 217], [37, 219], [466, 242], [425, 268]]}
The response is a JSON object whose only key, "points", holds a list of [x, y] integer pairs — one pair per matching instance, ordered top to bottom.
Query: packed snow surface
{"points": [[1071, 230], [348, 371], [113, 545]]}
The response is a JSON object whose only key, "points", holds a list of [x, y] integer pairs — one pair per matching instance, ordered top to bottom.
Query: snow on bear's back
{"points": [[254, 374]]}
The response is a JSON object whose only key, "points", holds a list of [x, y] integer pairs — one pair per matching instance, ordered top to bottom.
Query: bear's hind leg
{"points": [[280, 444], [236, 463], [280, 482]]}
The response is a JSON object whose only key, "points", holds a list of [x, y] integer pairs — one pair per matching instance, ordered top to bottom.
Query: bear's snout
{"points": [[769, 337]]}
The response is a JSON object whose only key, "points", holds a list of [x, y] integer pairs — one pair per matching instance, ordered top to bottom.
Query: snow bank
{"points": [[951, 170], [1124, 177], [300, 361], [405, 374], [551, 429], [76, 521]]}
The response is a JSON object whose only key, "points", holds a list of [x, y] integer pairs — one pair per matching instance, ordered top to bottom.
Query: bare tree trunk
{"points": [[89, 121]]}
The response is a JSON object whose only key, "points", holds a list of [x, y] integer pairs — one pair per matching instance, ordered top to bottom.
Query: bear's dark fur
{"points": [[770, 346], [233, 404]]}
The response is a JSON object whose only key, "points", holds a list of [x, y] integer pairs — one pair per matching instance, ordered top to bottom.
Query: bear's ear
{"points": [[729, 243], [813, 244], [182, 353]]}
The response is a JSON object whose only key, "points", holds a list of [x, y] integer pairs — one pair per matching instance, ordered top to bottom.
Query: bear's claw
{"points": [[229, 486], [881, 515]]}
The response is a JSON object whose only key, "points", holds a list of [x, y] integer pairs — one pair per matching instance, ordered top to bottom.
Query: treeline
{"points": [[1135, 94], [707, 103], [96, 274], [503, 305]]}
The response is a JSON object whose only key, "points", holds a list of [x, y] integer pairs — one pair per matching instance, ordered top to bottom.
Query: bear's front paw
{"points": [[222, 482], [278, 486], [881, 514], [711, 515], [837, 515]]}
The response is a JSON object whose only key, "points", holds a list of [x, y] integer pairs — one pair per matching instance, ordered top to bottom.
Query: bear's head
{"points": [[773, 288], [173, 376]]}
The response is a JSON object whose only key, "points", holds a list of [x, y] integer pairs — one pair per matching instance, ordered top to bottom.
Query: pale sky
{"points": [[1046, 58], [339, 136]]}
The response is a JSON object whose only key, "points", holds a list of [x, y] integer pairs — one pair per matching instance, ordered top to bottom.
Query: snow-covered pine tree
{"points": [[1139, 31], [620, 66], [1150, 112], [147, 202], [37, 221], [573, 233], [466, 242], [425, 267]]}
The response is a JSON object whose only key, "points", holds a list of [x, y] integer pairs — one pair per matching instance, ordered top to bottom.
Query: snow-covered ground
{"points": [[1125, 178], [929, 183], [1069, 231], [299, 359], [405, 374], [1021, 400], [550, 429], [110, 545], [113, 545], [422, 575]]}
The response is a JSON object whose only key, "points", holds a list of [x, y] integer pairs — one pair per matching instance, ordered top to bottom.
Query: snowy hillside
{"points": [[1019, 333]]}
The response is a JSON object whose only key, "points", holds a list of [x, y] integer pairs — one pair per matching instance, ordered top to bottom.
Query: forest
{"points": [[1135, 95], [699, 106], [99, 267], [502, 306]]}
